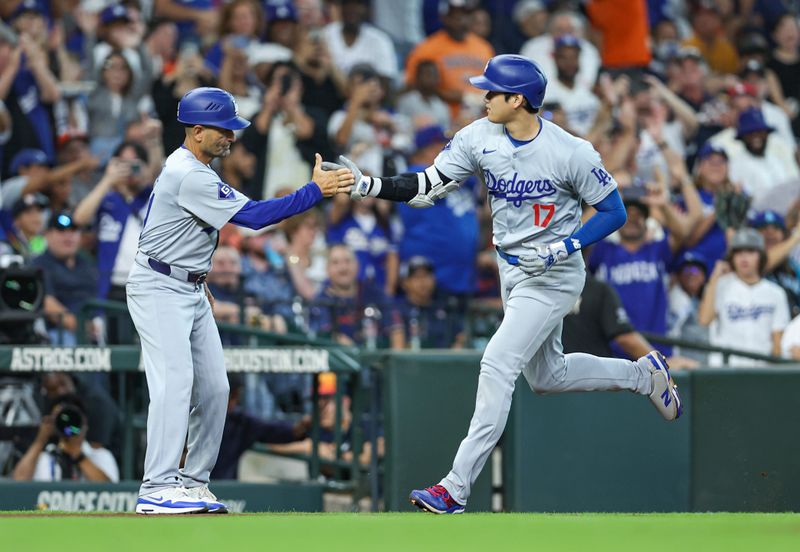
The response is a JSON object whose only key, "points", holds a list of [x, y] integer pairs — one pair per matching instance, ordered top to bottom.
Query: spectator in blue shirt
{"points": [[195, 18], [29, 89], [116, 208], [363, 226], [448, 231], [707, 238], [638, 266], [70, 279]]}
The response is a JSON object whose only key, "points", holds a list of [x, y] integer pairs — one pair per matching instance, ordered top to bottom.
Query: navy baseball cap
{"points": [[466, 5], [27, 6], [280, 10], [114, 13], [568, 41], [752, 43], [753, 66], [365, 70], [751, 120], [428, 135], [708, 149], [27, 157], [633, 196], [27, 201], [768, 218], [62, 221], [692, 258], [415, 263]]}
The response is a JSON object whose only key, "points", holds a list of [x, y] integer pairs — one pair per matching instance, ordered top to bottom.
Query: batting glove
{"points": [[330, 166], [363, 184], [541, 257]]}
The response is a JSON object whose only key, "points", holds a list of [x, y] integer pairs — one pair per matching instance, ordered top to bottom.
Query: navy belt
{"points": [[510, 259], [171, 271]]}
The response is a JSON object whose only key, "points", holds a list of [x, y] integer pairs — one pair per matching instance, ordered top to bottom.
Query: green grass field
{"points": [[411, 531]]}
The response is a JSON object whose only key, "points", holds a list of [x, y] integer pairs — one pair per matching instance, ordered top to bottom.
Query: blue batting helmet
{"points": [[514, 74], [210, 107]]}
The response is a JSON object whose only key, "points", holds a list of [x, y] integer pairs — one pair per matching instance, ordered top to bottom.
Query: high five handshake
{"points": [[420, 190]]}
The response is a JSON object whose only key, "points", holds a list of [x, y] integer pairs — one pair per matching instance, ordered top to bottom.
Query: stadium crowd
{"points": [[694, 107]]}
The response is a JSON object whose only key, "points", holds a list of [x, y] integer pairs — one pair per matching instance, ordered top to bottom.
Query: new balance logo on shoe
{"points": [[666, 398]]}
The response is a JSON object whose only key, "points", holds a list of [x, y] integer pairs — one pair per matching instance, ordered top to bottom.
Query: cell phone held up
{"points": [[286, 83], [135, 166]]}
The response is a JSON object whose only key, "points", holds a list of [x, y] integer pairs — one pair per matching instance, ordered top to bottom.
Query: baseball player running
{"points": [[536, 175], [172, 309]]}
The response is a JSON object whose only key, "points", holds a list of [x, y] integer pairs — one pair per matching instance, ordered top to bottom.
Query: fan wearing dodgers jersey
{"points": [[536, 174], [172, 309]]}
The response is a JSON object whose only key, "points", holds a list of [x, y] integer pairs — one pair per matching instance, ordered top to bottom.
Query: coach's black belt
{"points": [[510, 259], [171, 271]]}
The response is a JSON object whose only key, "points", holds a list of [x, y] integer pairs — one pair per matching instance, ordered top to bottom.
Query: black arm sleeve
{"points": [[404, 187]]}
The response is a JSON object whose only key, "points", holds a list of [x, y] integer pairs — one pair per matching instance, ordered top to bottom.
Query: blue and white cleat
{"points": [[665, 393], [203, 494], [174, 500], [436, 500]]}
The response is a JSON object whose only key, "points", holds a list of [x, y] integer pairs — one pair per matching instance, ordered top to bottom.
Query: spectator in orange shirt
{"points": [[624, 28], [708, 36], [457, 52]]}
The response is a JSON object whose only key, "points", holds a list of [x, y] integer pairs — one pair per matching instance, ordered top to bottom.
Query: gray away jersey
{"points": [[535, 190], [189, 205]]}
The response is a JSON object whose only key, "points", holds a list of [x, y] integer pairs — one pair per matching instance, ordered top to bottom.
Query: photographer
{"points": [[71, 457]]}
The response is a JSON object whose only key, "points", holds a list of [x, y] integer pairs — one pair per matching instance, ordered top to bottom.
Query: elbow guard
{"points": [[432, 185]]}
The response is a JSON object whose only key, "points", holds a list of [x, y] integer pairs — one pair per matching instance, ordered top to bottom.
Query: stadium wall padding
{"points": [[428, 403], [736, 448], [76, 496]]}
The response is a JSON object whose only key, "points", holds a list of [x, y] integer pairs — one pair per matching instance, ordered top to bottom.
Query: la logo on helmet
{"points": [[233, 101]]}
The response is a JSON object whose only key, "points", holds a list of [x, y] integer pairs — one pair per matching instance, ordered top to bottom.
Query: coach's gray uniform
{"points": [[535, 192], [181, 348]]}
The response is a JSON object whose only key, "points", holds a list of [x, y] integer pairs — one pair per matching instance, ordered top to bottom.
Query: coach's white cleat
{"points": [[665, 393], [203, 494], [175, 500]]}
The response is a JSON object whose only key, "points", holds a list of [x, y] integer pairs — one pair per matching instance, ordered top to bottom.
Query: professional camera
{"points": [[21, 300], [69, 421]]}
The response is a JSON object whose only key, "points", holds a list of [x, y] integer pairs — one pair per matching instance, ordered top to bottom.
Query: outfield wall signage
{"points": [[125, 358], [58, 359], [71, 496]]}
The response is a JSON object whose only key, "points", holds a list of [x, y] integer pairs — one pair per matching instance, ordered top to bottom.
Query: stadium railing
{"points": [[123, 362]]}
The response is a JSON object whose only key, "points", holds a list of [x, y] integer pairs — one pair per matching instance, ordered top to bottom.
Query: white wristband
{"points": [[375, 189]]}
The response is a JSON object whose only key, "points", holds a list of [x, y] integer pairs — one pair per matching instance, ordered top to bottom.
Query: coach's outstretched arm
{"points": [[324, 183], [419, 189]]}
